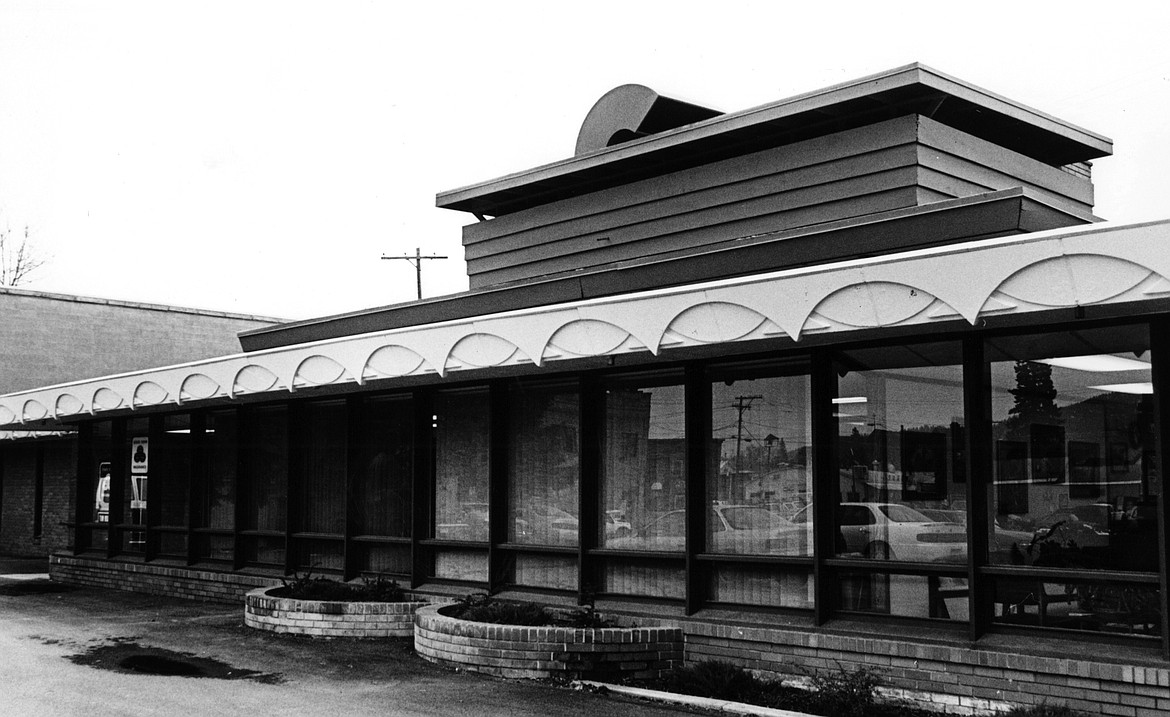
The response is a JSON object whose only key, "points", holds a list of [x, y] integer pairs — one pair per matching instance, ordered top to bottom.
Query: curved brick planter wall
{"points": [[320, 618], [539, 652]]}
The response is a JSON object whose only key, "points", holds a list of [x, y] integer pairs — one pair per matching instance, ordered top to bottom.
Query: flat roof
{"points": [[912, 89]]}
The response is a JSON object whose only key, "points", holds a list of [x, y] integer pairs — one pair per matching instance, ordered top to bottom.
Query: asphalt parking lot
{"points": [[82, 651]]}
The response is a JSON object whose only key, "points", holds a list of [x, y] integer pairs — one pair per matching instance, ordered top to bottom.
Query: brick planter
{"points": [[320, 618], [540, 652]]}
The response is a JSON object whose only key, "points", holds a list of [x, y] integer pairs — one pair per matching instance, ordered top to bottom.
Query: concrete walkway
{"points": [[60, 651]]}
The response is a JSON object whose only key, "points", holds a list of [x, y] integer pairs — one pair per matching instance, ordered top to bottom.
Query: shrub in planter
{"points": [[307, 587], [481, 607]]}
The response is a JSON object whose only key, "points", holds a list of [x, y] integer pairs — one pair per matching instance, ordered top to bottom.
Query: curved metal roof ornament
{"points": [[632, 111]]}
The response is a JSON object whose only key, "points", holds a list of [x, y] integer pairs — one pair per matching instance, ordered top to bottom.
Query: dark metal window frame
{"points": [[696, 379]]}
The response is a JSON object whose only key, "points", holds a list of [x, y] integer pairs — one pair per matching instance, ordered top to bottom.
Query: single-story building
{"points": [[855, 377]]}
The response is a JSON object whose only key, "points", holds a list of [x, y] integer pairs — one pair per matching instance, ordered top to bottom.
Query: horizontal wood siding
{"points": [[900, 163]]}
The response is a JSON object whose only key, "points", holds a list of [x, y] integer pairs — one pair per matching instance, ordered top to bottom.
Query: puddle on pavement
{"points": [[132, 658]]}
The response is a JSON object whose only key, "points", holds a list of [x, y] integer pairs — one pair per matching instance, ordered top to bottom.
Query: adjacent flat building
{"points": [[48, 339], [854, 377]]}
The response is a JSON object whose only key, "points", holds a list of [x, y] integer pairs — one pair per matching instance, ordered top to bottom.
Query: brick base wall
{"points": [[156, 579], [540, 652], [957, 679]]}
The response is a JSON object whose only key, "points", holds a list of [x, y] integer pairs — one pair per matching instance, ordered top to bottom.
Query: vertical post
{"points": [[1160, 374], [822, 390], [591, 419], [977, 420], [697, 440], [357, 449], [119, 469], [294, 482], [243, 484], [197, 485], [154, 487], [38, 491], [422, 491], [83, 504], [499, 512]]}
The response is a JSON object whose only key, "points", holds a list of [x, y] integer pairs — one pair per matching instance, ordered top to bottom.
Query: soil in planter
{"points": [[306, 587], [482, 608]]}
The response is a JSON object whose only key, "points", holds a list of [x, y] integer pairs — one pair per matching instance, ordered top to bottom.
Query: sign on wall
{"points": [[139, 454]]}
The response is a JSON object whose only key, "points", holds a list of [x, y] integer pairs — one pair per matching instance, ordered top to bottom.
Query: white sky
{"points": [[261, 156]]}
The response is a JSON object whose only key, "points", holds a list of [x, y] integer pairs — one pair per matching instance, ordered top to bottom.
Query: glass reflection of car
{"points": [[617, 525], [1084, 526], [733, 528], [892, 531], [1006, 542]]}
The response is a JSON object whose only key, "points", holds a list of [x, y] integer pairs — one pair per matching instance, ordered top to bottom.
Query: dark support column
{"points": [[1160, 370], [823, 390], [698, 441], [978, 448], [356, 449], [119, 469], [294, 481], [155, 486], [243, 486], [196, 487], [422, 488], [38, 491], [83, 505], [499, 511], [589, 525]]}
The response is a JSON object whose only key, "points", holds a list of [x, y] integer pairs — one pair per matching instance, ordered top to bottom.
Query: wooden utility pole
{"points": [[416, 260]]}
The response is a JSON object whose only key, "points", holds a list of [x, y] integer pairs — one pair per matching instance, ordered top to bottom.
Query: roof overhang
{"points": [[913, 89], [1096, 265]]}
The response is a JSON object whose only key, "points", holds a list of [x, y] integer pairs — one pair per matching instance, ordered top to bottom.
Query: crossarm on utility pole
{"points": [[416, 260]]}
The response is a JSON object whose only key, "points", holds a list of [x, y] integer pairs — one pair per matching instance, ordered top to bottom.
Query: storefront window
{"points": [[760, 430], [462, 436], [544, 436], [264, 445], [323, 468], [901, 477], [383, 478], [1075, 480], [643, 484], [217, 504]]}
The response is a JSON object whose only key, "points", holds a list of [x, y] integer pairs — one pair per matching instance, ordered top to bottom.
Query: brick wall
{"points": [[18, 496], [157, 579], [957, 678]]}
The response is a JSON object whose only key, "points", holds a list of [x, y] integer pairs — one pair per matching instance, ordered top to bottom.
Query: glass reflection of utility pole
{"points": [[416, 260], [742, 403]]}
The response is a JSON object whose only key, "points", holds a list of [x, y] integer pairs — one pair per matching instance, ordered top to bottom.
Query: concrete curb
{"points": [[707, 703]]}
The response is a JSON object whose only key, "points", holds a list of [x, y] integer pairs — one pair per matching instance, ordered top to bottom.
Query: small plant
{"points": [[307, 587], [712, 678], [844, 693]]}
